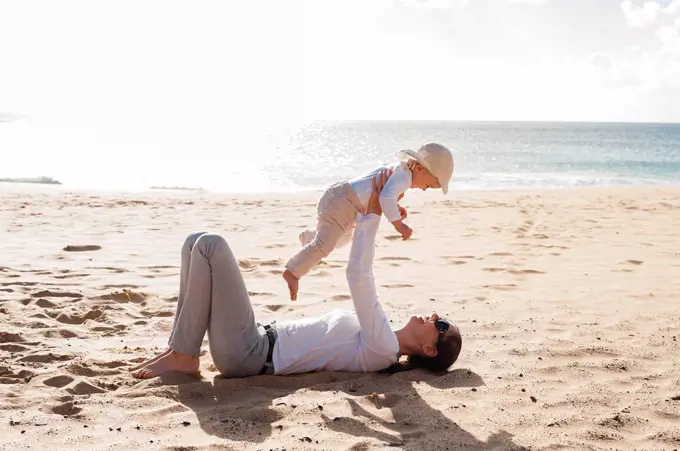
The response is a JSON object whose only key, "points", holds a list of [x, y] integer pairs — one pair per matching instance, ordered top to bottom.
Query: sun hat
{"points": [[436, 158]]}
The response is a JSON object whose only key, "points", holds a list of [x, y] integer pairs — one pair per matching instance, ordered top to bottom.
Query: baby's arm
{"points": [[399, 181]]}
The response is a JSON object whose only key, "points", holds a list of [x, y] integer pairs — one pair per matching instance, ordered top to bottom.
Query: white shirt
{"points": [[397, 184], [342, 340]]}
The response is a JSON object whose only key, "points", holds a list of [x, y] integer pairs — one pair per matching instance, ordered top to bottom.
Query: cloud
{"points": [[529, 2], [433, 4], [448, 4], [649, 12], [640, 16], [600, 61], [654, 66]]}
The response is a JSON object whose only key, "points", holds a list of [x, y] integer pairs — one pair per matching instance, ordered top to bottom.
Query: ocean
{"points": [[488, 155]]}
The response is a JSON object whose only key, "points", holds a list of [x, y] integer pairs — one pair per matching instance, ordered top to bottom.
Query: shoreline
{"points": [[453, 191]]}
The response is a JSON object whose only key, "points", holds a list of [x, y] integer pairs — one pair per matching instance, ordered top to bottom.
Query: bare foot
{"points": [[293, 284], [151, 360], [173, 361]]}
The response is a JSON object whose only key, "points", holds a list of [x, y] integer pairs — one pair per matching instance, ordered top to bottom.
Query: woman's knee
{"points": [[190, 240], [208, 243]]}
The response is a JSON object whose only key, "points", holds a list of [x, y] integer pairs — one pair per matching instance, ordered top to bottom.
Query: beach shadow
{"points": [[247, 410]]}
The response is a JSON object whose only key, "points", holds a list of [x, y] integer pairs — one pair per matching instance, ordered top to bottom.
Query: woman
{"points": [[213, 298]]}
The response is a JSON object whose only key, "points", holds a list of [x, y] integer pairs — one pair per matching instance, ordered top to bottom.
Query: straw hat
{"points": [[436, 158]]}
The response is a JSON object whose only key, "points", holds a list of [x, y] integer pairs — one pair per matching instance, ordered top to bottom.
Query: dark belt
{"points": [[271, 335]]}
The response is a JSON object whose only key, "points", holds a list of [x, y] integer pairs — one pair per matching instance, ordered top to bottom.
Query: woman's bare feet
{"points": [[293, 284], [151, 360], [172, 361]]}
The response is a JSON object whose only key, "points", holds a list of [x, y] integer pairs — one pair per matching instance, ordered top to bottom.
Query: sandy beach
{"points": [[567, 301]]}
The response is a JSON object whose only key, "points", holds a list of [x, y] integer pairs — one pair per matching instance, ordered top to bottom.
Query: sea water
{"points": [[488, 155]]}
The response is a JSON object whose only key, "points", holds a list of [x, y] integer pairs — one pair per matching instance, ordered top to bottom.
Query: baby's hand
{"points": [[403, 229]]}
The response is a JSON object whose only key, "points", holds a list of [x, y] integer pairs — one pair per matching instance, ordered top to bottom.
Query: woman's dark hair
{"points": [[448, 350]]}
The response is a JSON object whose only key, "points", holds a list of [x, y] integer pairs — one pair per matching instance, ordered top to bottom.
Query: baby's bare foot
{"points": [[293, 284], [151, 360], [173, 361]]}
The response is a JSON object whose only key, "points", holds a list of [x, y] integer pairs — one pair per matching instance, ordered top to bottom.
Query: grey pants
{"points": [[213, 298]]}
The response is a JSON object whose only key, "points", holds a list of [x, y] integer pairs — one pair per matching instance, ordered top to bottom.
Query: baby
{"points": [[430, 167]]}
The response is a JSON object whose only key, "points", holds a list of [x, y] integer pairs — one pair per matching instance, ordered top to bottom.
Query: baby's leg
{"points": [[308, 235], [327, 235], [346, 238]]}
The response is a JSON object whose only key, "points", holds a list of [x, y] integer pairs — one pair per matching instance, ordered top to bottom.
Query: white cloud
{"points": [[531, 2], [433, 4], [649, 12], [653, 66]]}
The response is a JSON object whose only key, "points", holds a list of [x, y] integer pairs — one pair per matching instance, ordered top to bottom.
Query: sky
{"points": [[162, 77]]}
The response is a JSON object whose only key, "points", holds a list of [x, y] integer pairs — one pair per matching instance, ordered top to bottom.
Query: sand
{"points": [[567, 300]]}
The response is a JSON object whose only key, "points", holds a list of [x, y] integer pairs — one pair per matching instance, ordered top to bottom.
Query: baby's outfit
{"points": [[337, 214]]}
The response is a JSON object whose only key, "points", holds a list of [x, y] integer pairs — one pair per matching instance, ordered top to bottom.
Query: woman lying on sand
{"points": [[213, 297]]}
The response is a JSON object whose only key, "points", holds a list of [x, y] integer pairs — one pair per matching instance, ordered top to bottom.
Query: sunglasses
{"points": [[442, 326]]}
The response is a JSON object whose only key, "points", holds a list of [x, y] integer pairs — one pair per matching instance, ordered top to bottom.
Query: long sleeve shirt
{"points": [[397, 184], [341, 340]]}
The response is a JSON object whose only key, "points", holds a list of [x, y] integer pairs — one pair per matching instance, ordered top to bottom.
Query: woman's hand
{"points": [[378, 184], [402, 212]]}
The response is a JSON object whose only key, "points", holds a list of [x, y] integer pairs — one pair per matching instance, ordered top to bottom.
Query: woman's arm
{"points": [[376, 332]]}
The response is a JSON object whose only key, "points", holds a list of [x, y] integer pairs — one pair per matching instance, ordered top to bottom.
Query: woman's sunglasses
{"points": [[442, 326]]}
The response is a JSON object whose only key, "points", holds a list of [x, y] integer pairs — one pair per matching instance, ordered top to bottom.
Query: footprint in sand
{"points": [[393, 237], [274, 246], [82, 248], [501, 254], [394, 259], [456, 260], [269, 262], [628, 262], [246, 265], [110, 268], [493, 269], [525, 271], [157, 275], [70, 276], [119, 285], [398, 285], [501, 287], [259, 293], [55, 294], [124, 296], [340, 297], [274, 307], [76, 318], [61, 333], [8, 337], [11, 347], [45, 358], [86, 370], [8, 376], [58, 381], [84, 388], [63, 409]]}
